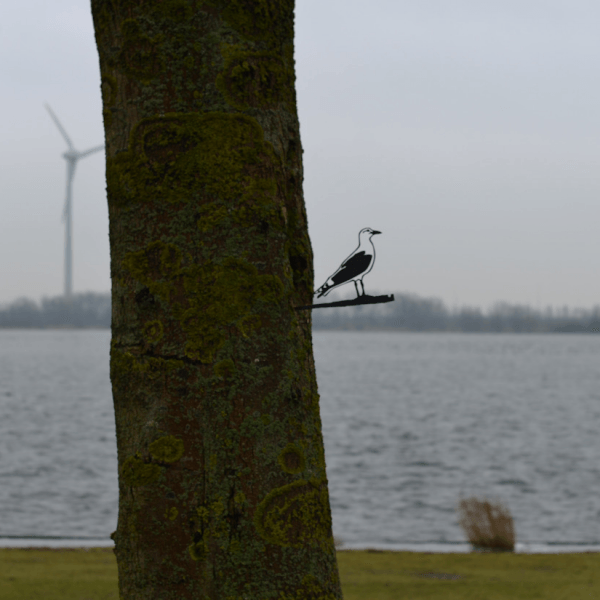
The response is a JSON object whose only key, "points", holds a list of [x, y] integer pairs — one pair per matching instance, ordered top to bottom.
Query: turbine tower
{"points": [[71, 156]]}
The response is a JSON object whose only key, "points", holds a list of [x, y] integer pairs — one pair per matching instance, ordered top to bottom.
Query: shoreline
{"points": [[58, 543]]}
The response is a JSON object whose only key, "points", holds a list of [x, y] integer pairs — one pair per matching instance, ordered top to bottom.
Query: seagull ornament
{"points": [[355, 267]]}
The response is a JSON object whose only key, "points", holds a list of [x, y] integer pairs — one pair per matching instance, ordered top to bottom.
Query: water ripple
{"points": [[411, 422]]}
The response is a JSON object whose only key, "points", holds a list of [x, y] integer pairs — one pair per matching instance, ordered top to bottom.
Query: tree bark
{"points": [[222, 484]]}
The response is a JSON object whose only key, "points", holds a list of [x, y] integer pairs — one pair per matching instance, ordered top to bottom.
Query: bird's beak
{"points": [[375, 232]]}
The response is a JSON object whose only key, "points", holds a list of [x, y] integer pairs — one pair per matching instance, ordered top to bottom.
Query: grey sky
{"points": [[467, 131]]}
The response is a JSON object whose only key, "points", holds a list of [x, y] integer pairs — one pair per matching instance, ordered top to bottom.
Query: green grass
{"points": [[65, 574], [92, 575], [489, 576]]}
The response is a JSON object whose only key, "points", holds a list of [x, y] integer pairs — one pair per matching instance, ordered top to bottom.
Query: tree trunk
{"points": [[222, 484]]}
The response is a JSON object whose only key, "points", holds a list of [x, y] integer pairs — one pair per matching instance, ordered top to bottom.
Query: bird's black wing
{"points": [[352, 267]]}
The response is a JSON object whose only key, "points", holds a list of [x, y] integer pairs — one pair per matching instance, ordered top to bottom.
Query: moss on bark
{"points": [[223, 490]]}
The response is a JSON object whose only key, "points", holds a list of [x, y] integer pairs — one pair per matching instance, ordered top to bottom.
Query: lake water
{"points": [[411, 422]]}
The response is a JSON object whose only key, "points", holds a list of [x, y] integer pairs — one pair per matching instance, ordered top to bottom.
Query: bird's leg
{"points": [[362, 285], [356, 288]]}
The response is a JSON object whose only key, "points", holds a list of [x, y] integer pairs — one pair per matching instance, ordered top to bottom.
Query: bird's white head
{"points": [[367, 232]]}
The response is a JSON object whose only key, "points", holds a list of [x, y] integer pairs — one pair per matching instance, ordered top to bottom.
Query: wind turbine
{"points": [[71, 156]]}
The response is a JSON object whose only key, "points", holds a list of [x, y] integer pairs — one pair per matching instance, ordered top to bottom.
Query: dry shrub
{"points": [[488, 525]]}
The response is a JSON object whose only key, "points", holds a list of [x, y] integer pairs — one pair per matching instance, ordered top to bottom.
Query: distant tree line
{"points": [[89, 309], [409, 312]]}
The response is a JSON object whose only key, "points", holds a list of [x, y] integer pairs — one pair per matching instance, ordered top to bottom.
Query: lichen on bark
{"points": [[222, 482]]}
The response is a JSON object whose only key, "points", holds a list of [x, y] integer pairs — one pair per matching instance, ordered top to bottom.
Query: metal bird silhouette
{"points": [[355, 267]]}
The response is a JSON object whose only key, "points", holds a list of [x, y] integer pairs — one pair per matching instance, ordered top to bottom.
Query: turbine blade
{"points": [[60, 127], [90, 151]]}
